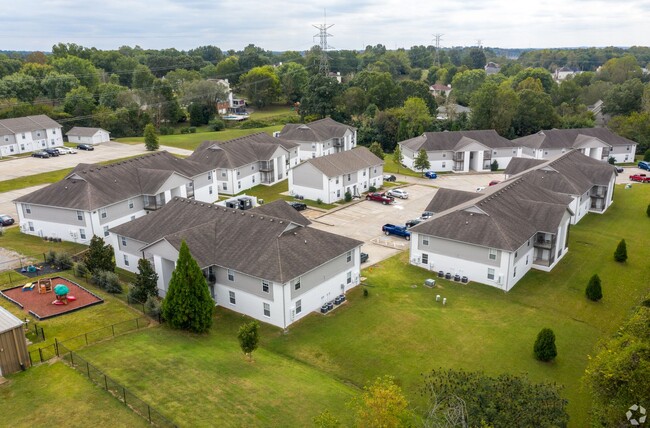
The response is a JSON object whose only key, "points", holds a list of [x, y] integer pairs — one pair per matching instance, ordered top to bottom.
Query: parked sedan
{"points": [[85, 147], [66, 150], [51, 152], [40, 154], [430, 174], [389, 177], [398, 193], [298, 206], [6, 220], [411, 223], [364, 257]]}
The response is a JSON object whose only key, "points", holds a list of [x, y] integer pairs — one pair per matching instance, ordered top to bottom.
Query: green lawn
{"points": [[274, 110], [192, 141], [391, 167], [271, 193], [30, 245], [56, 395]]}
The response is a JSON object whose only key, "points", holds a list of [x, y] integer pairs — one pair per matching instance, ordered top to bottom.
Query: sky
{"points": [[288, 24]]}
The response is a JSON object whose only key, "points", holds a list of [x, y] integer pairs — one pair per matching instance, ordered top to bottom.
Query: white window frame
{"points": [[131, 204], [28, 209], [103, 213], [80, 215], [30, 225], [105, 231], [82, 233], [123, 240], [425, 240], [492, 254], [348, 257], [425, 259], [126, 260], [491, 274], [231, 275], [348, 278], [297, 285], [266, 286], [232, 298], [298, 306], [266, 309]]}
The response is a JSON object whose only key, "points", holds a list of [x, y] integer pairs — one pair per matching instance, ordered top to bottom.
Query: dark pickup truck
{"points": [[380, 197], [392, 229]]}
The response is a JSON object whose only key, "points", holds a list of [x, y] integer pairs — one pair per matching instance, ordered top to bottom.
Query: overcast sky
{"points": [[287, 25]]}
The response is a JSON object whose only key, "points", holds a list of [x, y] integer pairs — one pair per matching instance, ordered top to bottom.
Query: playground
{"points": [[50, 297]]}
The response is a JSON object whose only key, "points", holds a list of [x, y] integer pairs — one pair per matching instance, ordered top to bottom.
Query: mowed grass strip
{"points": [[56, 395]]}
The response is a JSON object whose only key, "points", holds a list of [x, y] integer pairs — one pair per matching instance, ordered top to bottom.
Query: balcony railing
{"points": [[338, 142], [459, 156], [266, 166], [598, 192], [152, 203], [544, 241]]}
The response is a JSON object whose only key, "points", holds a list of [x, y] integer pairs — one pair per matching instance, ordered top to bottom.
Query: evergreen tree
{"points": [[150, 138], [375, 149], [646, 156], [398, 157], [421, 161], [494, 166], [647, 210], [620, 255], [99, 256], [146, 282], [594, 290], [188, 304], [248, 337], [545, 349]]}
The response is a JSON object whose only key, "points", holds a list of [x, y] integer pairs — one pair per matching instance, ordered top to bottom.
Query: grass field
{"points": [[391, 167], [271, 193], [30, 245], [400, 330], [56, 395]]}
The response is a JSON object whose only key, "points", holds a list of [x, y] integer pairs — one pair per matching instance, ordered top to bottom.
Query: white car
{"points": [[66, 151], [398, 193]]}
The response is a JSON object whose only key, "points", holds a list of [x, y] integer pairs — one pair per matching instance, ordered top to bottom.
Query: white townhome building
{"points": [[28, 134], [84, 135], [320, 138], [597, 143], [460, 151], [247, 161], [329, 177], [93, 198], [496, 236], [266, 263]]}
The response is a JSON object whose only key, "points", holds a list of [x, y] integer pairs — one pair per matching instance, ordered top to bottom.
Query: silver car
{"points": [[398, 193]]}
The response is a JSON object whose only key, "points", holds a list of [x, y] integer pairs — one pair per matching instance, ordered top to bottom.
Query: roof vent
{"points": [[281, 222], [467, 222], [305, 242]]}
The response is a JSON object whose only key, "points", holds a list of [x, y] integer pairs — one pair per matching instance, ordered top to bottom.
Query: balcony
{"points": [[338, 142], [487, 155], [459, 156], [266, 166], [267, 177], [189, 190], [598, 192], [152, 203], [544, 240]]}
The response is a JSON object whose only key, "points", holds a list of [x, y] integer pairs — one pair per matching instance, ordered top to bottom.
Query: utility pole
{"points": [[479, 43], [436, 58], [323, 66]]}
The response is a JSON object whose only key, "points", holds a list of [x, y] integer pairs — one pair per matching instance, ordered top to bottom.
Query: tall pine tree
{"points": [[150, 138], [99, 256], [146, 282], [188, 304]]}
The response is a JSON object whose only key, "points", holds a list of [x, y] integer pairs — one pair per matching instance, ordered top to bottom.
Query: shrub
{"points": [[217, 124], [250, 124], [166, 130], [185, 130], [191, 130], [646, 156], [611, 160], [494, 166], [372, 189], [348, 196], [319, 201], [647, 211], [620, 255], [50, 257], [63, 261], [80, 269], [107, 281], [594, 290], [365, 292], [152, 307], [544, 348]]}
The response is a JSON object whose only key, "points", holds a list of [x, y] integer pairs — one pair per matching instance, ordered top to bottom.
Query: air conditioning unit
{"points": [[24, 227], [40, 232], [73, 234], [415, 260], [500, 279], [292, 313]]}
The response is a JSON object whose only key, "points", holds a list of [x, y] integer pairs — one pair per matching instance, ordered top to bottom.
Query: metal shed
{"points": [[13, 344]]}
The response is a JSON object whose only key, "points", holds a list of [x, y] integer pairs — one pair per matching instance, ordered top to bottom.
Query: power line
{"points": [[436, 59], [323, 65]]}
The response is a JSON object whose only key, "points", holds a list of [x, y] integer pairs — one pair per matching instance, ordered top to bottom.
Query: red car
{"points": [[641, 178], [493, 182], [380, 197]]}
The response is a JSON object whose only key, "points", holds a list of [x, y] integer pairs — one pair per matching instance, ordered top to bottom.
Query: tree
{"points": [[475, 59], [82, 69], [618, 70], [543, 75], [142, 77], [293, 81], [465, 84], [261, 85], [21, 86], [380, 88], [109, 94], [320, 97], [624, 98], [354, 101], [79, 102], [494, 107], [534, 113], [416, 116], [150, 138], [375, 149], [646, 156], [398, 157], [421, 161], [494, 166], [620, 255], [99, 256], [146, 282], [594, 291], [188, 304], [248, 337], [544, 348], [460, 398], [382, 404], [326, 420]]}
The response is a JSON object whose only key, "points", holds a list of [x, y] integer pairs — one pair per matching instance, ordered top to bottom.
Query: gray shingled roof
{"points": [[26, 124], [319, 130], [81, 131], [568, 138], [452, 141], [239, 152], [345, 162], [517, 165], [97, 186], [449, 198], [281, 209], [247, 241], [8, 321]]}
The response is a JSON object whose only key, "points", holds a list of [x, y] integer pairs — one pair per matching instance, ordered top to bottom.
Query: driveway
{"points": [[21, 167], [468, 182], [7, 207]]}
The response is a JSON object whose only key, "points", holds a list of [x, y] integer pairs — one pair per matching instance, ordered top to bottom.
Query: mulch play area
{"points": [[46, 304]]}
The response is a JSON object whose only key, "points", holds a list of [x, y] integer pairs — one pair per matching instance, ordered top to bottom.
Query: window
{"points": [[54, 131], [38, 134], [23, 136], [6, 139], [628, 148], [494, 153], [545, 153], [444, 155], [444, 164], [253, 167], [375, 170], [238, 172], [364, 172], [223, 173], [209, 175], [349, 177], [253, 179], [337, 180], [239, 184], [225, 186], [210, 189], [338, 193], [130, 202], [28, 209], [102, 213], [80, 215], [132, 217], [31, 226], [105, 230], [82, 233], [425, 240], [123, 241], [528, 243], [492, 254], [516, 254], [349, 257], [425, 259], [526, 259], [126, 260], [514, 272], [490, 273], [231, 275], [349, 278], [296, 285], [265, 286], [231, 295], [298, 306], [267, 309]]}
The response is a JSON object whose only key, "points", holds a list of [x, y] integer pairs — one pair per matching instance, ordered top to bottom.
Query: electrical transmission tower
{"points": [[436, 58], [323, 66]]}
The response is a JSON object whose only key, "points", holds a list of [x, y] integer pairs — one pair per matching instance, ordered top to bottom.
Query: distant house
{"points": [[492, 68], [563, 73], [440, 90], [451, 111], [28, 134], [82, 135], [320, 138], [597, 143], [460, 151], [247, 161], [328, 177], [93, 198], [266, 263], [13, 344]]}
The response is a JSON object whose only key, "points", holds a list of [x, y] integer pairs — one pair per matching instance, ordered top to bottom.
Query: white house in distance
{"points": [[28, 134], [83, 135], [320, 138], [597, 143], [460, 151], [247, 161], [328, 178], [94, 198], [496, 236], [266, 263]]}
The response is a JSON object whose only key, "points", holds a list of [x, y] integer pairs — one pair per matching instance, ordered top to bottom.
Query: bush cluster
{"points": [[60, 260], [107, 281]]}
